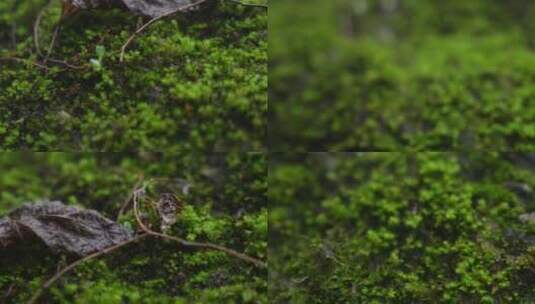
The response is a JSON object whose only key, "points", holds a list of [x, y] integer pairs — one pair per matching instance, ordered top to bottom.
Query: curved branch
{"points": [[151, 21], [36, 28], [127, 201], [190, 244], [73, 265]]}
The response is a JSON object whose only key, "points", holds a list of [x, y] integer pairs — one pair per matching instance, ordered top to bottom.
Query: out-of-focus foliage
{"points": [[389, 74], [194, 81], [225, 204], [402, 228]]}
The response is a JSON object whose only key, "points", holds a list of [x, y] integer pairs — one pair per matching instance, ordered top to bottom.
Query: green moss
{"points": [[359, 76], [197, 81], [226, 205], [401, 228]]}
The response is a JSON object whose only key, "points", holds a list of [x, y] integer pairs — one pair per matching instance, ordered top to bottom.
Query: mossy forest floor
{"points": [[364, 75], [194, 81], [226, 204], [412, 226], [402, 228]]}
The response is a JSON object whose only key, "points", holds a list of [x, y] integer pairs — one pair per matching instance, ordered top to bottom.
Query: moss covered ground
{"points": [[361, 75], [194, 81], [226, 205], [402, 228]]}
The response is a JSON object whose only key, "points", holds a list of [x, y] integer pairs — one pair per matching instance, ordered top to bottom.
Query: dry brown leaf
{"points": [[151, 8], [62, 228]]}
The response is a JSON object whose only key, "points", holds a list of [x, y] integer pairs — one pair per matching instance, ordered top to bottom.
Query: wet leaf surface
{"points": [[151, 8], [157, 8], [62, 228]]}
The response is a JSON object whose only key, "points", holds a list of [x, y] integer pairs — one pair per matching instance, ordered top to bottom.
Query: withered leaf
{"points": [[91, 4], [151, 8], [157, 8], [168, 207], [62, 228]]}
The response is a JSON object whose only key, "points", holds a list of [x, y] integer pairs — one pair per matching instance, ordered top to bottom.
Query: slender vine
{"points": [[134, 197], [188, 244], [73, 265]]}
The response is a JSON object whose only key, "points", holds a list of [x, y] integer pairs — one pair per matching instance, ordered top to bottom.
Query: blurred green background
{"points": [[355, 75], [226, 204], [402, 228]]}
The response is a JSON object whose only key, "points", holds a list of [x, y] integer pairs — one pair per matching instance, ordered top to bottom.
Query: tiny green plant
{"points": [[96, 63]]}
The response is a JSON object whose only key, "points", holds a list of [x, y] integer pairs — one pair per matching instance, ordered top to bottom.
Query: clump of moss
{"points": [[387, 75], [197, 81], [225, 204], [402, 228]]}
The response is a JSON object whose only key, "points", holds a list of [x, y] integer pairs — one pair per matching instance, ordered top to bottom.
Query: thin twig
{"points": [[36, 28], [57, 28], [142, 28], [53, 42], [24, 61], [71, 66], [44, 67], [127, 201], [190, 244], [68, 268], [8, 292]]}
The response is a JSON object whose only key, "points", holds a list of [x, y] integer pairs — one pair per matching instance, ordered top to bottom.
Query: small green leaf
{"points": [[101, 51], [96, 64]]}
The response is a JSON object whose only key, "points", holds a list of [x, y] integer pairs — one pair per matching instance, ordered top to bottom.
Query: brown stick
{"points": [[36, 28], [57, 28], [53, 42], [24, 61], [70, 66], [44, 67], [127, 201], [190, 244], [68, 268]]}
